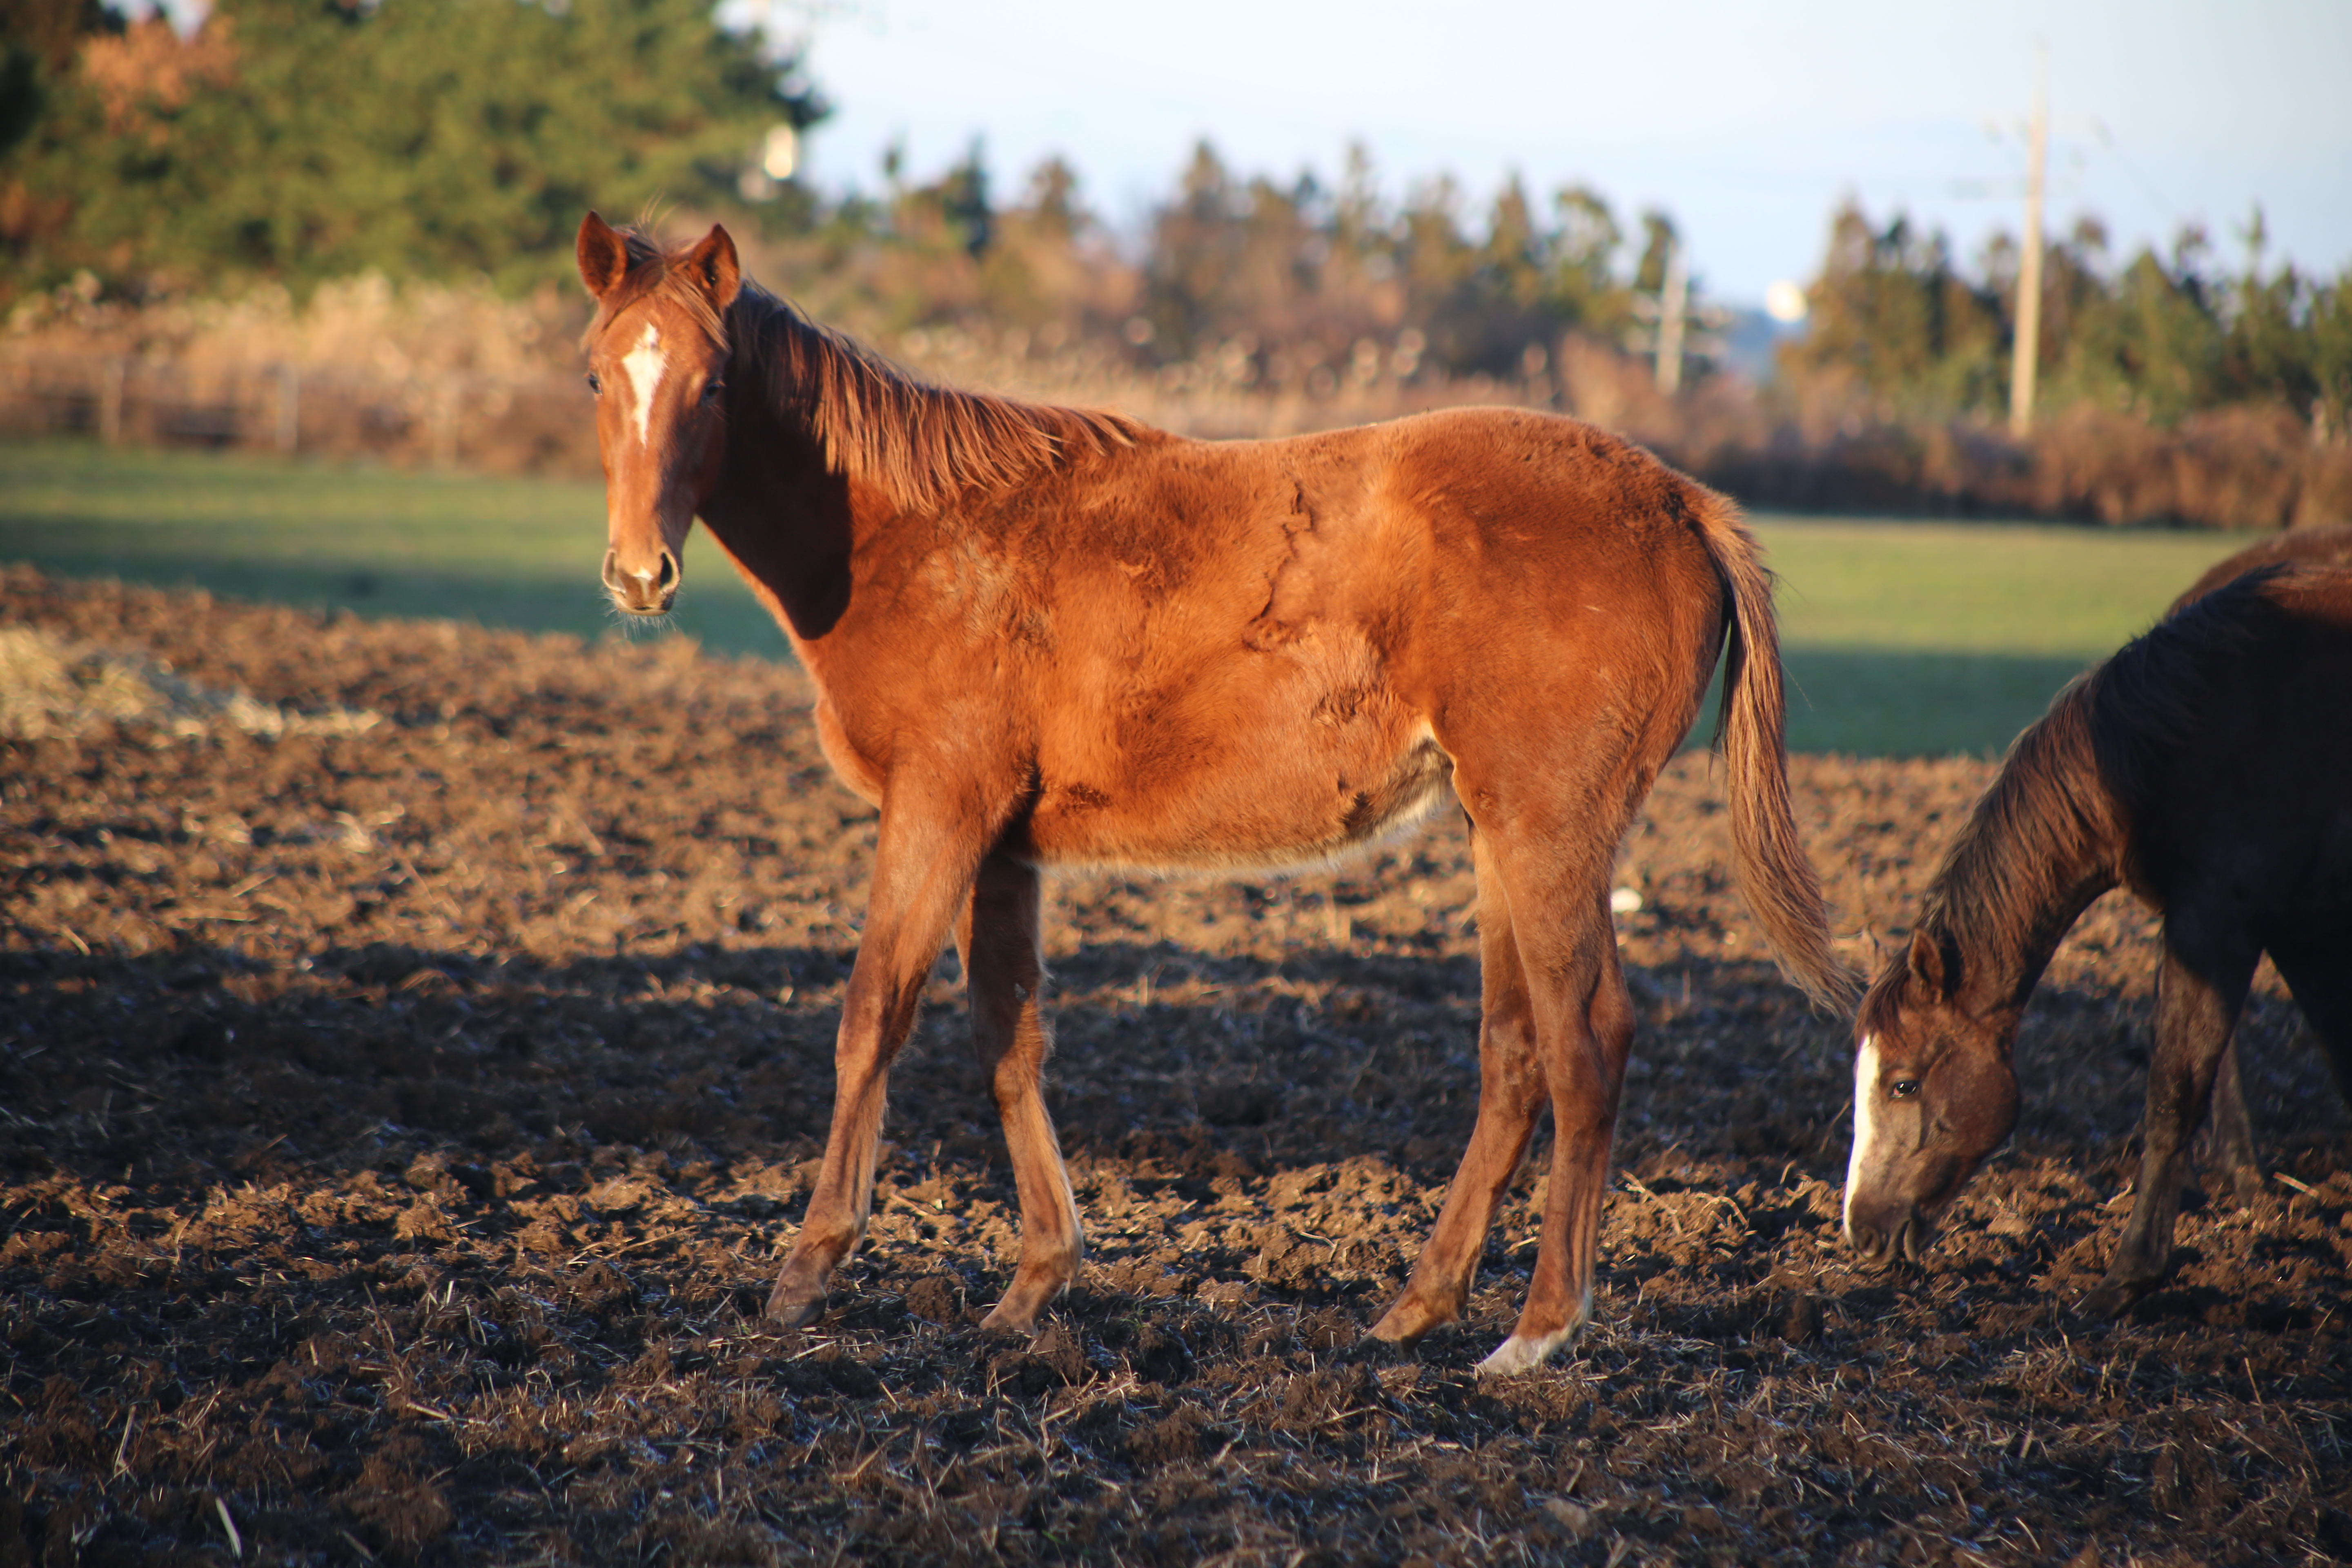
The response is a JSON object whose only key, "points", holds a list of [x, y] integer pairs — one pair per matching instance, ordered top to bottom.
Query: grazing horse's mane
{"points": [[920, 445], [2069, 789]]}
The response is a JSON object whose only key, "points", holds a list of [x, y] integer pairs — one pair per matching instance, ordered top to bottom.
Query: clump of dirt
{"points": [[400, 1123]]}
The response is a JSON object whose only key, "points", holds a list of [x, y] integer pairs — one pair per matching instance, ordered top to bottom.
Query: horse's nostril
{"points": [[668, 576]]}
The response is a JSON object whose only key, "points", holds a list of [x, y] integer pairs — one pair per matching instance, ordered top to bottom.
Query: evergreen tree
{"points": [[307, 139]]}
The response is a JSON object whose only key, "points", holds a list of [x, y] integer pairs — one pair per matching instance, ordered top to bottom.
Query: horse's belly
{"points": [[1269, 807]]}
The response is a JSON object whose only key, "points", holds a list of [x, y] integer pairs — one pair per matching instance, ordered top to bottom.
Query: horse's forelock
{"points": [[654, 272]]}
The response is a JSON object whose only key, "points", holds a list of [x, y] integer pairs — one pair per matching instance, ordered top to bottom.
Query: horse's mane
{"points": [[919, 444], [2071, 782]]}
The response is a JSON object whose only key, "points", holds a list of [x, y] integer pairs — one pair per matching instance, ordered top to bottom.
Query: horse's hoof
{"points": [[2244, 1187], [1035, 1288], [2110, 1299], [791, 1307], [1405, 1323], [1012, 1324], [1523, 1353]]}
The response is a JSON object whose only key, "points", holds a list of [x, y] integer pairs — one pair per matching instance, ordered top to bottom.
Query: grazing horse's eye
{"points": [[595, 383], [711, 391], [1904, 1087]]}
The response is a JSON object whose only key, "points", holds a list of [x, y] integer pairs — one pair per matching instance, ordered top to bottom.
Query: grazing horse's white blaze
{"points": [[644, 365], [1865, 1122]]}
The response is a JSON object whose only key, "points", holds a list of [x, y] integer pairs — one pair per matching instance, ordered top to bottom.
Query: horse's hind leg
{"points": [[1005, 970], [2321, 979], [2198, 996], [1586, 1071], [1510, 1093], [2229, 1130]]}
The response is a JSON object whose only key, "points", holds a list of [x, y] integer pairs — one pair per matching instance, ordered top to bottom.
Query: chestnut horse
{"points": [[1046, 637], [2207, 766], [2232, 1130]]}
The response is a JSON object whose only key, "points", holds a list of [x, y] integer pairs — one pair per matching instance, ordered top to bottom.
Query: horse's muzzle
{"points": [[646, 591], [1906, 1235]]}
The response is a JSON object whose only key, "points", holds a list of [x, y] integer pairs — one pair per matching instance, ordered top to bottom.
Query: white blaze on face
{"points": [[644, 365], [1865, 1119]]}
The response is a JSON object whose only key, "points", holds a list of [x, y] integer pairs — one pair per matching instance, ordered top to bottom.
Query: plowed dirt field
{"points": [[414, 1042]]}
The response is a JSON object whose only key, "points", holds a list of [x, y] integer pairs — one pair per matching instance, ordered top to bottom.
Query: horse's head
{"points": [[656, 361], [1934, 1093]]}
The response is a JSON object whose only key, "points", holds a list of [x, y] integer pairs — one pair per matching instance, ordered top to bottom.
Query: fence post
{"points": [[109, 401], [290, 408], [445, 423]]}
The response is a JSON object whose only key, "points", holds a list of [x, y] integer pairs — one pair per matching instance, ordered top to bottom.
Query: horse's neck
{"points": [[785, 517], [2013, 889]]}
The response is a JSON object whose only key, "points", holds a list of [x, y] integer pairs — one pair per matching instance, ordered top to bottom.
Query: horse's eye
{"points": [[595, 383], [711, 391], [1904, 1087]]}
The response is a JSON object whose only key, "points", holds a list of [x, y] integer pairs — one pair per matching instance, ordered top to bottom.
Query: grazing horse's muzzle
{"points": [[646, 591], [1903, 1234]]}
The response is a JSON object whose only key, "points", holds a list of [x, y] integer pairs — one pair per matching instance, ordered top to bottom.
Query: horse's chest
{"points": [[862, 774]]}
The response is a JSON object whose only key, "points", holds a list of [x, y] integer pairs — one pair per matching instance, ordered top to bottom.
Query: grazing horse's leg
{"points": [[924, 858], [1006, 969], [2321, 979], [2198, 1000], [1586, 1073], [1510, 1092], [2229, 1130]]}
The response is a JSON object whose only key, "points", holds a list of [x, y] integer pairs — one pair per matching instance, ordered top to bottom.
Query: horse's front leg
{"points": [[926, 854], [1005, 970], [2198, 996]]}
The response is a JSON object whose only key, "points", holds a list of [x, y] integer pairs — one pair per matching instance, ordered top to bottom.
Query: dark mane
{"points": [[919, 444], [2069, 788], [2045, 808]]}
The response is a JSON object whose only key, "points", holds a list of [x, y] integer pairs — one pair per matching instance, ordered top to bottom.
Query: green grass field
{"points": [[1902, 638]]}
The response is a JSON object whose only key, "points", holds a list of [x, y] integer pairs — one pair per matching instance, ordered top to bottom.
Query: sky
{"points": [[1746, 123]]}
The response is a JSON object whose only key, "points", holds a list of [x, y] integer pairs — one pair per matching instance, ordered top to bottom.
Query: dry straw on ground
{"points": [[398, 1126]]}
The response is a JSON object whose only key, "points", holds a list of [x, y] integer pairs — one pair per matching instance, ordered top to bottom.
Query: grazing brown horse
{"points": [[1047, 637], [2208, 766], [2233, 1155]]}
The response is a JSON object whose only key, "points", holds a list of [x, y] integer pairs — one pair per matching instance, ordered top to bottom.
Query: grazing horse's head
{"points": [[657, 361], [1934, 1093]]}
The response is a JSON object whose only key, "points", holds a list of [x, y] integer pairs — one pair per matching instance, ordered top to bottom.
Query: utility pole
{"points": [[1674, 308], [1670, 329], [2028, 346]]}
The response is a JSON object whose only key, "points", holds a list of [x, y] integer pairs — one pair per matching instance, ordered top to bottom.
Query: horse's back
{"points": [[2330, 546], [1262, 650], [2241, 796]]}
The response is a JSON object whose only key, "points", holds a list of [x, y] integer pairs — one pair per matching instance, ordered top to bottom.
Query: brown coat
{"points": [[1053, 637]]}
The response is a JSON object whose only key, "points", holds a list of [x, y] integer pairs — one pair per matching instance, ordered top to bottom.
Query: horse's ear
{"points": [[603, 256], [712, 266], [1935, 964]]}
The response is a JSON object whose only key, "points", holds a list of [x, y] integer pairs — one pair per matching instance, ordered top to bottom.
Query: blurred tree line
{"points": [[301, 140], [298, 141], [1269, 277], [1901, 329]]}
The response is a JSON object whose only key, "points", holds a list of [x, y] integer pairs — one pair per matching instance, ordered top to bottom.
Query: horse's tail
{"points": [[1775, 877]]}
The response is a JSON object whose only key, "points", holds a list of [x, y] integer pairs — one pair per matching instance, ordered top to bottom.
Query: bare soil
{"points": [[414, 1041]]}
